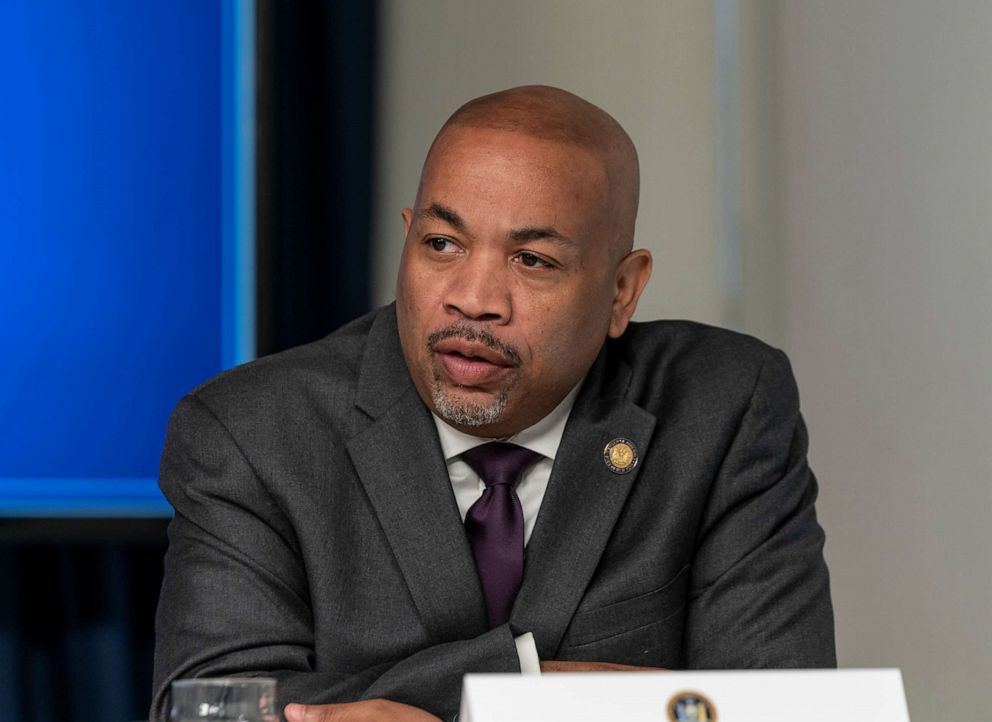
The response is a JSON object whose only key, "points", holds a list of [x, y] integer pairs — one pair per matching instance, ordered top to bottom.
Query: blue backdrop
{"points": [[111, 265], [127, 276]]}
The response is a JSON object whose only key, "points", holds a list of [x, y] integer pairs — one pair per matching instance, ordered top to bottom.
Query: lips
{"points": [[471, 363]]}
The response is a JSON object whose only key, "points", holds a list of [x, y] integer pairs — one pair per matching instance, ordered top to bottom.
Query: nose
{"points": [[479, 290]]}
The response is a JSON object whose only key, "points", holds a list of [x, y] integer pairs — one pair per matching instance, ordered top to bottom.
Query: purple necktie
{"points": [[495, 524]]}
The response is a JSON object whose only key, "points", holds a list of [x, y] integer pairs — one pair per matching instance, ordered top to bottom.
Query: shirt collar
{"points": [[544, 437]]}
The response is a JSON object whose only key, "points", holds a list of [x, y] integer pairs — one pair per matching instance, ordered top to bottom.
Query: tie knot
{"points": [[500, 463]]}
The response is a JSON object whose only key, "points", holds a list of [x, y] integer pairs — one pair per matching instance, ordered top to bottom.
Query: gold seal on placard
{"points": [[620, 456], [691, 707]]}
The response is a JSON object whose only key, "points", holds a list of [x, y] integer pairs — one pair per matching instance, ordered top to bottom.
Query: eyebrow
{"points": [[444, 214], [522, 235]]}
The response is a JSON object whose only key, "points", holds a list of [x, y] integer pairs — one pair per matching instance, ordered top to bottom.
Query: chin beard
{"points": [[447, 403], [465, 413]]}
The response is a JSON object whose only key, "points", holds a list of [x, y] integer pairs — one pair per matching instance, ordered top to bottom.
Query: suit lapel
{"points": [[398, 459], [581, 505]]}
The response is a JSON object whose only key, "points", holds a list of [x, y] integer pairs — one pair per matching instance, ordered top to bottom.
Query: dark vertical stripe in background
{"points": [[316, 129], [78, 596]]}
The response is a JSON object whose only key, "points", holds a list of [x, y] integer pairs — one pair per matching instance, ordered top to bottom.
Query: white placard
{"points": [[849, 695]]}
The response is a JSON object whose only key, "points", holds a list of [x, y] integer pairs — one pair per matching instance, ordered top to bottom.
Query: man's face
{"points": [[508, 277]]}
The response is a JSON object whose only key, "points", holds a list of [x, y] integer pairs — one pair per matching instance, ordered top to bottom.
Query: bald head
{"points": [[558, 116], [517, 261]]}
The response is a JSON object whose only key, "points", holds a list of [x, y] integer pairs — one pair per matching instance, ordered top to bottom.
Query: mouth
{"points": [[473, 358]]}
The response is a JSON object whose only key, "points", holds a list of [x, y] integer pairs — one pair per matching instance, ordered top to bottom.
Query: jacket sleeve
{"points": [[759, 594], [235, 597]]}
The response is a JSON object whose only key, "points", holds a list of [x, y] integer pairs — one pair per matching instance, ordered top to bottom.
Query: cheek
{"points": [[414, 291], [410, 309], [577, 329], [568, 337]]}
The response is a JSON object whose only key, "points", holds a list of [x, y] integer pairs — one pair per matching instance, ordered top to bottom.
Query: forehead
{"points": [[512, 171]]}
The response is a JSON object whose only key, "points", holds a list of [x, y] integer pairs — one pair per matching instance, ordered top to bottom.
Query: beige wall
{"points": [[649, 64], [872, 170]]}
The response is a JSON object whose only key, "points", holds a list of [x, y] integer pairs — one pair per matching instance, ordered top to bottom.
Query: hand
{"points": [[554, 665], [370, 710]]}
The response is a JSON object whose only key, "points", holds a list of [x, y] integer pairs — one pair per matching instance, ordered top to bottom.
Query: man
{"points": [[343, 525]]}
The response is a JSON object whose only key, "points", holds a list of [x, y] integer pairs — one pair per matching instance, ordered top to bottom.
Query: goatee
{"points": [[461, 411]]}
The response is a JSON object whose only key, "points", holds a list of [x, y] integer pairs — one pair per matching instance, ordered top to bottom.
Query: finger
{"points": [[295, 712], [311, 712]]}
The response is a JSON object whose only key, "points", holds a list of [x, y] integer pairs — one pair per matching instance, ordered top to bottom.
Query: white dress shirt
{"points": [[544, 437]]}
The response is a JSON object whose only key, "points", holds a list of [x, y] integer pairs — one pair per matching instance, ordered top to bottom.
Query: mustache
{"points": [[475, 334]]}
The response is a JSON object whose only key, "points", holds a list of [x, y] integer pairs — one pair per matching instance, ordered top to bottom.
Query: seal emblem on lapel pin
{"points": [[620, 456]]}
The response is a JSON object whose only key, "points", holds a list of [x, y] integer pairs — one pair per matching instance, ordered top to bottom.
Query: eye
{"points": [[442, 244], [531, 260]]}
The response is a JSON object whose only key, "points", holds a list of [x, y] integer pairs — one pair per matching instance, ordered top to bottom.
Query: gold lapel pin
{"points": [[620, 456]]}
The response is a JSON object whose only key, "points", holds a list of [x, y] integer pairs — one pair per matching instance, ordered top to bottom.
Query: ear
{"points": [[407, 221], [633, 273]]}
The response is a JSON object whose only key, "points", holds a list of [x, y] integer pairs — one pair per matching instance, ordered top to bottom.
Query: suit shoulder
{"points": [[695, 341], [697, 359], [328, 366]]}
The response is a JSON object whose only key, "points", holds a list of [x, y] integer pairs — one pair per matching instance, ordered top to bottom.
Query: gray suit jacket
{"points": [[316, 537]]}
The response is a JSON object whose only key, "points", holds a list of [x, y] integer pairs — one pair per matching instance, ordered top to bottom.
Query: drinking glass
{"points": [[224, 699]]}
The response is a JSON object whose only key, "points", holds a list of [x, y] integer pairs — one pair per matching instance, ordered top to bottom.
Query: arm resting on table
{"points": [[235, 599]]}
